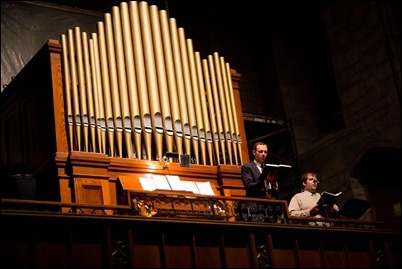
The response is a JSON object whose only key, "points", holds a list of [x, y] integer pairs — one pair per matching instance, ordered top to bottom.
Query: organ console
{"points": [[91, 107]]}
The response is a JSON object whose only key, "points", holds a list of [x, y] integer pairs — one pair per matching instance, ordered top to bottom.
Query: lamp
{"points": [[168, 155]]}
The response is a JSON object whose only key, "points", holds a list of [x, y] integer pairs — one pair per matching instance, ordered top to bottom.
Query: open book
{"points": [[277, 165], [274, 168], [155, 182], [171, 182], [328, 198]]}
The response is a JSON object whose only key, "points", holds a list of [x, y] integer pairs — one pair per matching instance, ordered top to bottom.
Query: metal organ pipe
{"points": [[138, 88]]}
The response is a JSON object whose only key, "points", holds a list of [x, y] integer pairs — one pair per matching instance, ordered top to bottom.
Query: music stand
{"points": [[355, 208]]}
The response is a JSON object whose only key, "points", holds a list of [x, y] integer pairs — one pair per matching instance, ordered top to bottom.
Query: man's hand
{"points": [[272, 176], [315, 210]]}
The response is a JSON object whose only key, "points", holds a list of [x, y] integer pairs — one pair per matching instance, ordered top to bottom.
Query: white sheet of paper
{"points": [[161, 182], [147, 183], [175, 183], [190, 186], [205, 188]]}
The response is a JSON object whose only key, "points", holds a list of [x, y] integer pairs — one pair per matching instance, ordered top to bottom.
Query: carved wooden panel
{"points": [[91, 191]]}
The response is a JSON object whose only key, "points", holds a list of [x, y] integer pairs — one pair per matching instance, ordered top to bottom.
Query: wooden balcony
{"points": [[40, 234]]}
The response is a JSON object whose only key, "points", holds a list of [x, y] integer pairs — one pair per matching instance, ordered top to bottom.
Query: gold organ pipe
{"points": [[141, 77], [131, 78], [162, 79], [171, 80], [122, 81], [139, 82], [180, 85], [81, 86], [114, 86], [106, 88], [74, 89], [67, 90], [89, 90], [153, 92], [189, 92], [222, 103], [99, 104], [204, 108], [211, 109], [218, 111], [230, 115], [200, 129], [237, 137], [97, 142]]}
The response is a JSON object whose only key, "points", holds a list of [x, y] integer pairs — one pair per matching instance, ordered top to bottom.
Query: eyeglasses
{"points": [[314, 180]]}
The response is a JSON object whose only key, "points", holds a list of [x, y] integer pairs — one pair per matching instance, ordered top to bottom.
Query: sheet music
{"points": [[161, 182], [172, 182], [147, 183], [175, 183], [190, 186], [205, 188]]}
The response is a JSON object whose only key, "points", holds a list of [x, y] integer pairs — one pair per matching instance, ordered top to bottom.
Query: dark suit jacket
{"points": [[250, 175]]}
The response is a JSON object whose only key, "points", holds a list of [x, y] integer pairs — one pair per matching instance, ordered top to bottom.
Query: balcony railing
{"points": [[176, 205]]}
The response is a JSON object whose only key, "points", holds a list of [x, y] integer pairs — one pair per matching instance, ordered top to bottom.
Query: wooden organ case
{"points": [[91, 107]]}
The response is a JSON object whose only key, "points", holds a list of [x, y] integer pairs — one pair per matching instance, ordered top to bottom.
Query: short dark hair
{"points": [[258, 144], [304, 177]]}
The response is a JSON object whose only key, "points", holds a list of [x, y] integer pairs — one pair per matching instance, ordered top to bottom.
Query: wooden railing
{"points": [[182, 205], [39, 234]]}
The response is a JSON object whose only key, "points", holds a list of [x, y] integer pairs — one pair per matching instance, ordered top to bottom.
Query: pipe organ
{"points": [[137, 89], [115, 101], [92, 113]]}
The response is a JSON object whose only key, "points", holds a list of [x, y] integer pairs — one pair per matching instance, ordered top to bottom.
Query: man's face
{"points": [[260, 153], [311, 183]]}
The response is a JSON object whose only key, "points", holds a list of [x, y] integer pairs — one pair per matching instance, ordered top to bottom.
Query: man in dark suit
{"points": [[250, 173], [258, 187]]}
